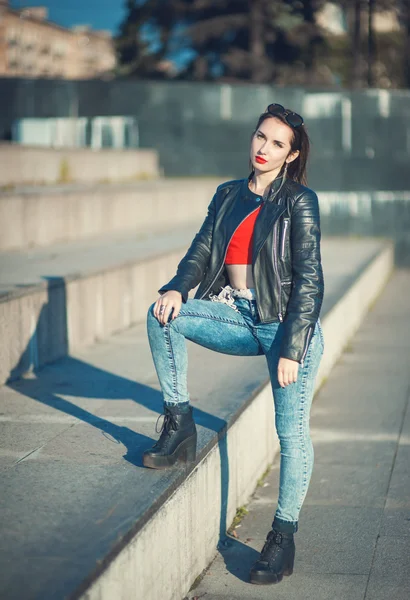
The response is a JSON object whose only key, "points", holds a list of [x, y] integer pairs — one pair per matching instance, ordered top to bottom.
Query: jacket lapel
{"points": [[237, 207], [273, 208], [235, 210], [267, 217]]}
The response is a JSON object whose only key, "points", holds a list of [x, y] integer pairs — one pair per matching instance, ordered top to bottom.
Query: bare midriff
{"points": [[240, 276]]}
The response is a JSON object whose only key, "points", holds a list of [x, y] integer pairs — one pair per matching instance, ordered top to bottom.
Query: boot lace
{"points": [[169, 423], [274, 539]]}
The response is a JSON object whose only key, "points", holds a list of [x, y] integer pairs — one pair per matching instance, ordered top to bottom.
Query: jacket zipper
{"points": [[285, 226], [226, 250], [275, 268], [305, 349]]}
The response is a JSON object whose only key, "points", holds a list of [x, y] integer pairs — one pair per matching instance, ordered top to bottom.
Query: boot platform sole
{"points": [[185, 452], [267, 578]]}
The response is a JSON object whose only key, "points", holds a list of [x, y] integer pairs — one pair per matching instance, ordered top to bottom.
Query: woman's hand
{"points": [[170, 300], [287, 371]]}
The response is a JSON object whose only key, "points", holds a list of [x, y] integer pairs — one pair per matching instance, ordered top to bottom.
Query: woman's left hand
{"points": [[287, 371]]}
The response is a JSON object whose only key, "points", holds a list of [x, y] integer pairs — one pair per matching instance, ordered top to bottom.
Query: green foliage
{"points": [[144, 36], [227, 40], [262, 41], [336, 56], [64, 175], [262, 478], [241, 512]]}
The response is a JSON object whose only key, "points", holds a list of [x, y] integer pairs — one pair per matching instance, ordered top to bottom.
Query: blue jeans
{"points": [[219, 327]]}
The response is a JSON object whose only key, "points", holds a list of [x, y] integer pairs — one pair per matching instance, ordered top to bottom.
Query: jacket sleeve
{"points": [[191, 268], [308, 285]]}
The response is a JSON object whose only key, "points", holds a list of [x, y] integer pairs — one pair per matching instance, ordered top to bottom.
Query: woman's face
{"points": [[271, 145]]}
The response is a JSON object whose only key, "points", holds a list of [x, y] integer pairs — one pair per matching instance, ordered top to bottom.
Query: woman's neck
{"points": [[260, 183]]}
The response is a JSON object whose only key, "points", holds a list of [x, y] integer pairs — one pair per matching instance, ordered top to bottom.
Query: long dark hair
{"points": [[300, 141]]}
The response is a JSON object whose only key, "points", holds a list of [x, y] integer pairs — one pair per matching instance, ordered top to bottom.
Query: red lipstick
{"points": [[260, 160]]}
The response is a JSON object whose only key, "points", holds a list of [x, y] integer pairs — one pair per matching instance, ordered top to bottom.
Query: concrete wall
{"points": [[205, 128], [31, 165], [43, 216], [39, 217], [341, 322], [42, 324], [187, 526]]}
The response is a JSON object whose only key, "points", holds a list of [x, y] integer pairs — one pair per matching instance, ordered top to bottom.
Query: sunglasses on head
{"points": [[292, 118]]}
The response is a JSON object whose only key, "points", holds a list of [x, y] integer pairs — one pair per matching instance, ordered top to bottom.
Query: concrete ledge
{"points": [[33, 165], [44, 216], [343, 319], [41, 323], [179, 541], [175, 545]]}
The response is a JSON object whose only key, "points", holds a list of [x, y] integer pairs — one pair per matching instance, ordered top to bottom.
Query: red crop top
{"points": [[240, 248]]}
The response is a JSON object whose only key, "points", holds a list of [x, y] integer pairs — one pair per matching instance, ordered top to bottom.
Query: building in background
{"points": [[32, 46]]}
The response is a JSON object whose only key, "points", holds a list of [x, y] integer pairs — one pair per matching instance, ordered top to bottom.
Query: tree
{"points": [[405, 19], [144, 36], [250, 39], [229, 40], [363, 41], [371, 50]]}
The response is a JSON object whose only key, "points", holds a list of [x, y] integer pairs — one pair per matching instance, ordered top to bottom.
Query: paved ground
{"points": [[353, 541]]}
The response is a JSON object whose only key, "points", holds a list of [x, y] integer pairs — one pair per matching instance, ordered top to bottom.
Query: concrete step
{"points": [[21, 163], [42, 216], [58, 299], [81, 517]]}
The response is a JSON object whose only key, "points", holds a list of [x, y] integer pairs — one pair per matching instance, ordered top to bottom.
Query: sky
{"points": [[99, 14]]}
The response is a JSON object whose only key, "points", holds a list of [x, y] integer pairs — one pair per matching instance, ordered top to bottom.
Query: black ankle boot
{"points": [[177, 441], [276, 559]]}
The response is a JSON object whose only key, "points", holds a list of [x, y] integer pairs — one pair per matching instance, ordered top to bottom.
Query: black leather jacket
{"points": [[286, 259]]}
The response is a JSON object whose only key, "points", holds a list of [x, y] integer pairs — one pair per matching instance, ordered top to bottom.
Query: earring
{"points": [[286, 169]]}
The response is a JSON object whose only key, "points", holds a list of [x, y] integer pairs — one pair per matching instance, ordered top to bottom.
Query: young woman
{"points": [[257, 260]]}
